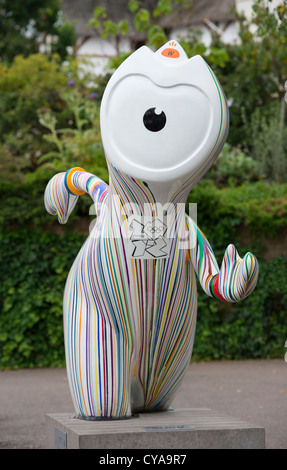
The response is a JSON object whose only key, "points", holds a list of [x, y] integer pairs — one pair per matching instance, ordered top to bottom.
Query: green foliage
{"points": [[133, 5], [144, 19], [23, 23], [107, 27], [272, 32], [156, 36], [65, 41], [216, 54], [113, 64], [253, 75], [25, 86], [36, 87], [49, 123], [82, 142], [267, 142], [233, 168], [259, 206], [31, 295], [253, 328]]}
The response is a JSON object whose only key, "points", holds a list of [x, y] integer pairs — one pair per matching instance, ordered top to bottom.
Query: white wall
{"points": [[245, 6], [229, 35], [98, 51]]}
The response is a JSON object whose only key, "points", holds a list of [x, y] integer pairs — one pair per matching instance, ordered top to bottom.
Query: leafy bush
{"points": [[41, 19], [252, 72], [38, 84], [26, 85], [80, 143], [268, 143], [232, 168], [24, 204], [221, 211], [31, 295], [253, 328]]}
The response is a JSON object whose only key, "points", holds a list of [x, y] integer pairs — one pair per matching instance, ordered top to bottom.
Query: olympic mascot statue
{"points": [[130, 299]]}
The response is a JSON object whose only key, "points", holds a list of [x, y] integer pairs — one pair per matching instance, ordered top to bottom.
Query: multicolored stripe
{"points": [[62, 192], [236, 278]]}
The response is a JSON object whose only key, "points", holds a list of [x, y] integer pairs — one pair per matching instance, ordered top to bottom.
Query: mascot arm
{"points": [[63, 190], [236, 278]]}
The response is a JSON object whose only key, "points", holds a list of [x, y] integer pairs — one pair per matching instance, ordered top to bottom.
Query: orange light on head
{"points": [[171, 52]]}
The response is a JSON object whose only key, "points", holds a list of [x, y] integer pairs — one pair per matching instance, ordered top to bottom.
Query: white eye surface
{"points": [[157, 128]]}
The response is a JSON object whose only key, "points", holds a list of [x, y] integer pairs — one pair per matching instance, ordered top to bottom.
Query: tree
{"points": [[145, 20], [24, 25], [272, 34], [253, 73], [256, 80]]}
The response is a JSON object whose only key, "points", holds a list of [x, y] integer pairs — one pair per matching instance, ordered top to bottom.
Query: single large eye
{"points": [[154, 119], [152, 127]]}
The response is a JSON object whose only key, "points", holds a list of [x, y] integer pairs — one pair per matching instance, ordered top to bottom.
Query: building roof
{"points": [[81, 12]]}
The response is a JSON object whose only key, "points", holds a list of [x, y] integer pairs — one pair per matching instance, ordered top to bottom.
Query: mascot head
{"points": [[164, 117]]}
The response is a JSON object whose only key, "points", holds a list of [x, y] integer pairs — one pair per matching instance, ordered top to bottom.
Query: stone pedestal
{"points": [[190, 428]]}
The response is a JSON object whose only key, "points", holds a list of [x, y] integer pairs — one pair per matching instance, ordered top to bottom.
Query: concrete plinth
{"points": [[175, 429]]}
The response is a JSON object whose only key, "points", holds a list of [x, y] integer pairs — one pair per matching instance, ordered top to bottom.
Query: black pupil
{"points": [[154, 121]]}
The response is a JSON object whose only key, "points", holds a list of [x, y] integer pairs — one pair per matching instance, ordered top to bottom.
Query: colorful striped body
{"points": [[129, 323]]}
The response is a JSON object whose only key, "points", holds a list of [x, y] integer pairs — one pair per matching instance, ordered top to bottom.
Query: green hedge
{"points": [[34, 269], [253, 328]]}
